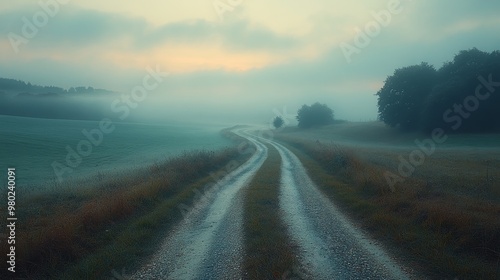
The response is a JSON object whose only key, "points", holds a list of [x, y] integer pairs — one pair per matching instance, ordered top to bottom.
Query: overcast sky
{"points": [[244, 57]]}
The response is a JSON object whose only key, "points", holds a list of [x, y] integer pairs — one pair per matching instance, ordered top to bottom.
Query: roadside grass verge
{"points": [[87, 233], [446, 235], [269, 254]]}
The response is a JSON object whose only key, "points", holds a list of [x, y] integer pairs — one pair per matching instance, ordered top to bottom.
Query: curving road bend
{"points": [[207, 244], [330, 246]]}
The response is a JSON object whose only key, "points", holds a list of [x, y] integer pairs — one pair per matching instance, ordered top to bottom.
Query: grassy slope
{"points": [[377, 133], [446, 232], [86, 234], [268, 253]]}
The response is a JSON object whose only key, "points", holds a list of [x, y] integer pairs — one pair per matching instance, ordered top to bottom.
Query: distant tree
{"points": [[401, 99], [316, 114], [278, 122]]}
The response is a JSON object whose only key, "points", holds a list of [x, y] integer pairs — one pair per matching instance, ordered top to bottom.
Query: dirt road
{"points": [[207, 244], [330, 246]]}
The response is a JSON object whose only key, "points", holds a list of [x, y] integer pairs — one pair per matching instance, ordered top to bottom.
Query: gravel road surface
{"points": [[208, 243]]}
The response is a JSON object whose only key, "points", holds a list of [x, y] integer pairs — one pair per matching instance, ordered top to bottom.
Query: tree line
{"points": [[11, 85], [462, 96], [18, 98]]}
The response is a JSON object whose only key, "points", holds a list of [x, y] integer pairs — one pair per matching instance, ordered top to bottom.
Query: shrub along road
{"points": [[208, 243]]}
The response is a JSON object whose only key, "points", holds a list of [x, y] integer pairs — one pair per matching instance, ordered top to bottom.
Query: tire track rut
{"points": [[207, 244], [330, 246]]}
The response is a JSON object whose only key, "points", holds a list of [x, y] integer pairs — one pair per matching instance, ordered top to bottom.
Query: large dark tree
{"points": [[462, 96], [401, 99], [453, 104], [316, 114]]}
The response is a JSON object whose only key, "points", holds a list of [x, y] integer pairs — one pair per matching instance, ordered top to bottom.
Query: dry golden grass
{"points": [[60, 229], [446, 229], [269, 254]]}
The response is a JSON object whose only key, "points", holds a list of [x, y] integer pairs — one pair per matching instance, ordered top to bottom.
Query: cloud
{"points": [[436, 20], [78, 28], [238, 35]]}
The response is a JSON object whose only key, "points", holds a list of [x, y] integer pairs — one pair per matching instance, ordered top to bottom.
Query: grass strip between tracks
{"points": [[268, 251]]}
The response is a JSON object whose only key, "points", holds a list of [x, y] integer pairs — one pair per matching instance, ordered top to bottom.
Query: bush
{"points": [[316, 114], [278, 122]]}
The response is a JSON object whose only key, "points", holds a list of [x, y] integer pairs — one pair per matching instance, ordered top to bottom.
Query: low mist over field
{"points": [[241, 60]]}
